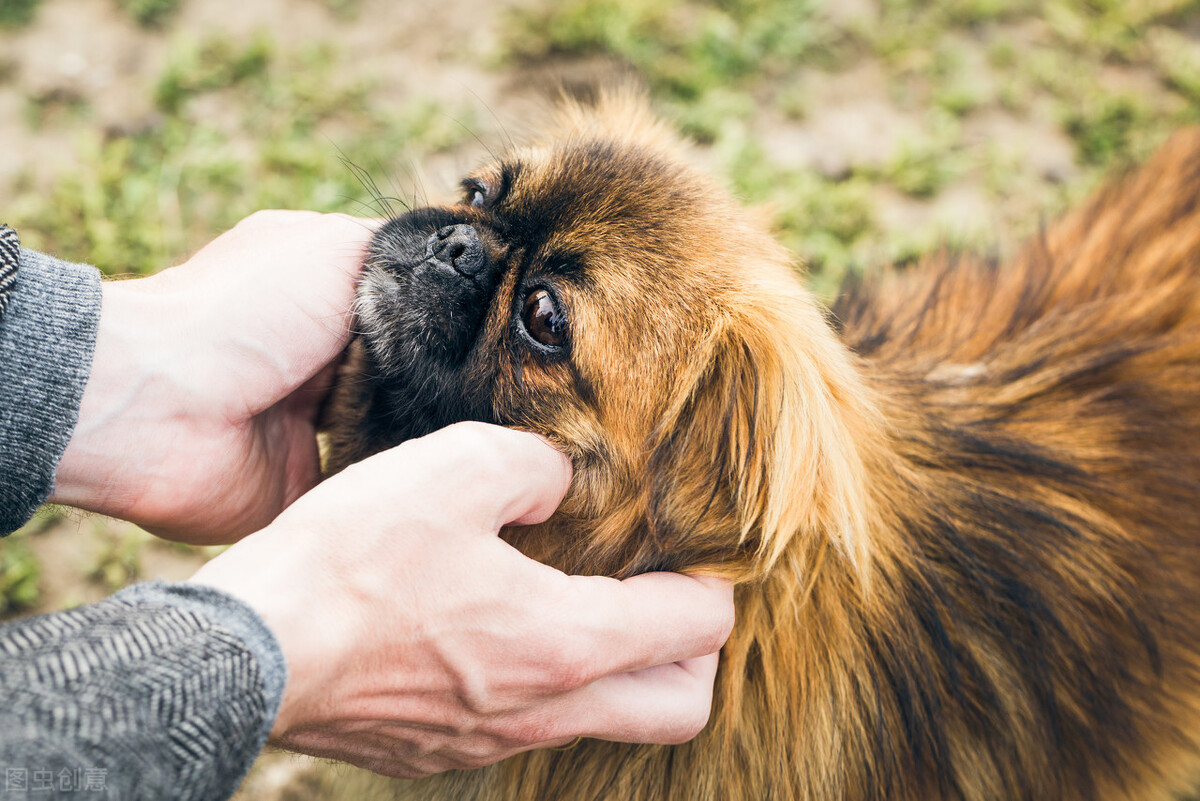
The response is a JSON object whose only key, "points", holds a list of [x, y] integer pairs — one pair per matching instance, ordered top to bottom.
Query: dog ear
{"points": [[765, 448]]}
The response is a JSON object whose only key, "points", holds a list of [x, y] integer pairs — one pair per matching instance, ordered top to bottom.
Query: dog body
{"points": [[962, 511]]}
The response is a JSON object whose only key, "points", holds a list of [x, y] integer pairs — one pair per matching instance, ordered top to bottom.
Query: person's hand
{"points": [[197, 421], [418, 641]]}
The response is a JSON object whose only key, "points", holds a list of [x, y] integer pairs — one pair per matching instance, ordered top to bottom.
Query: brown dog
{"points": [[964, 511]]}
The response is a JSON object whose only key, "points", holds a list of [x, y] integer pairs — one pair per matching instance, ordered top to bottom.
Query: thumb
{"points": [[500, 476]]}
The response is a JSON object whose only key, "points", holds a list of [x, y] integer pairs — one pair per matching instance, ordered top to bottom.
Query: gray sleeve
{"points": [[47, 334], [161, 691]]}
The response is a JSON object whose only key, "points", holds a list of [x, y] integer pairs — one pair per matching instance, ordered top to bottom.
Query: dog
{"points": [[962, 508]]}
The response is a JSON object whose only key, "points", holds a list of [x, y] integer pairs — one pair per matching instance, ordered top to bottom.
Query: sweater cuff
{"points": [[47, 336], [236, 617], [160, 691]]}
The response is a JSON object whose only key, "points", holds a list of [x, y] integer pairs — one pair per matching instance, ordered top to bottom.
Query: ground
{"points": [[133, 131]]}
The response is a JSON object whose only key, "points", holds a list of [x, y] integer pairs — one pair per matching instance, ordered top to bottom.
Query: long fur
{"points": [[961, 508]]}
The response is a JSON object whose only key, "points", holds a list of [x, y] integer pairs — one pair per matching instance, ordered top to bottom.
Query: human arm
{"points": [[47, 331], [198, 420], [380, 621], [418, 641], [80, 687], [160, 691]]}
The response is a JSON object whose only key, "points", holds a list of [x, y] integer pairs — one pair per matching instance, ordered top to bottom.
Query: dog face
{"points": [[596, 289]]}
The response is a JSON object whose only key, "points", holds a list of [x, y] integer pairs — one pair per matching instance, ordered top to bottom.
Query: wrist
{"points": [[130, 393], [315, 639]]}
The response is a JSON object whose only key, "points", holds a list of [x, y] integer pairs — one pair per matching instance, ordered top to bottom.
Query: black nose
{"points": [[459, 247]]}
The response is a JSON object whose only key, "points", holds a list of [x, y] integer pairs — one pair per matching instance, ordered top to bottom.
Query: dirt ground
{"points": [[84, 71]]}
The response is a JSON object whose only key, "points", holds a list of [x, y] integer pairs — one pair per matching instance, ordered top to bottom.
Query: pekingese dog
{"points": [[962, 508]]}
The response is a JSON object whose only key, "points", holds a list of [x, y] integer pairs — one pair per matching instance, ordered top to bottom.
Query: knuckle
{"points": [[472, 445], [716, 640], [570, 668], [475, 702], [479, 705], [693, 719], [461, 724], [535, 732], [518, 735], [478, 755]]}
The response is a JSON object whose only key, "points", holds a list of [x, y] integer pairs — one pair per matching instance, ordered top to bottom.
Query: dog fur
{"points": [[961, 507]]}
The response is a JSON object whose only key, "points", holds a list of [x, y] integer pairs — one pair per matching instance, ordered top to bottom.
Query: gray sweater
{"points": [[163, 691]]}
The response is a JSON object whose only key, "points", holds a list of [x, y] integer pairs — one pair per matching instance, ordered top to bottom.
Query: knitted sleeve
{"points": [[48, 315], [163, 691]]}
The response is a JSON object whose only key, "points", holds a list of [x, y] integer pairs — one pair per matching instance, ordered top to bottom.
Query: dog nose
{"points": [[459, 247]]}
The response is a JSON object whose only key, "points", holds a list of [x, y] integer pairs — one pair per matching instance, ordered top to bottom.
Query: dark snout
{"points": [[459, 248], [440, 277]]}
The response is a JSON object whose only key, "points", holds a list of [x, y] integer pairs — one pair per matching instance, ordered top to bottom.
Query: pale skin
{"points": [[416, 639]]}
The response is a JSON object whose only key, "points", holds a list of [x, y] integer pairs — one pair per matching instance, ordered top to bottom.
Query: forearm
{"points": [[47, 334], [161, 691]]}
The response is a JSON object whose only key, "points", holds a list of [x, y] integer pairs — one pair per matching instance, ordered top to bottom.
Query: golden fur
{"points": [[962, 509]]}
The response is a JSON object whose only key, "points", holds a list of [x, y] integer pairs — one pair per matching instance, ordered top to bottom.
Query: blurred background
{"points": [[133, 131]]}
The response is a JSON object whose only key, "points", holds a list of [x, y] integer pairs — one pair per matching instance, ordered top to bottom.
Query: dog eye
{"points": [[476, 193], [544, 321]]}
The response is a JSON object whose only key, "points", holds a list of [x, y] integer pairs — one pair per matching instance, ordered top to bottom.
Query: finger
{"points": [[266, 218], [277, 218], [309, 399], [552, 468], [509, 477], [648, 620], [667, 704]]}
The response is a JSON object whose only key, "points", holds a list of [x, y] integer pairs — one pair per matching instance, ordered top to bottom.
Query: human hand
{"points": [[198, 419], [418, 641]]}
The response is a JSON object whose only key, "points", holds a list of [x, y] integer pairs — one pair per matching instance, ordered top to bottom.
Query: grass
{"points": [[17, 13], [150, 13], [685, 50], [217, 63], [721, 67], [244, 126], [1103, 128], [925, 164], [117, 560], [20, 573]]}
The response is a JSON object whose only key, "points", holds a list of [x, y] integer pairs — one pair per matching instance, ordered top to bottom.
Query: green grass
{"points": [[344, 9], [17, 13], [150, 13], [685, 50], [1178, 61], [716, 66], [199, 68], [55, 106], [244, 126], [1104, 127], [925, 164], [827, 223], [117, 560], [20, 568], [20, 574]]}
